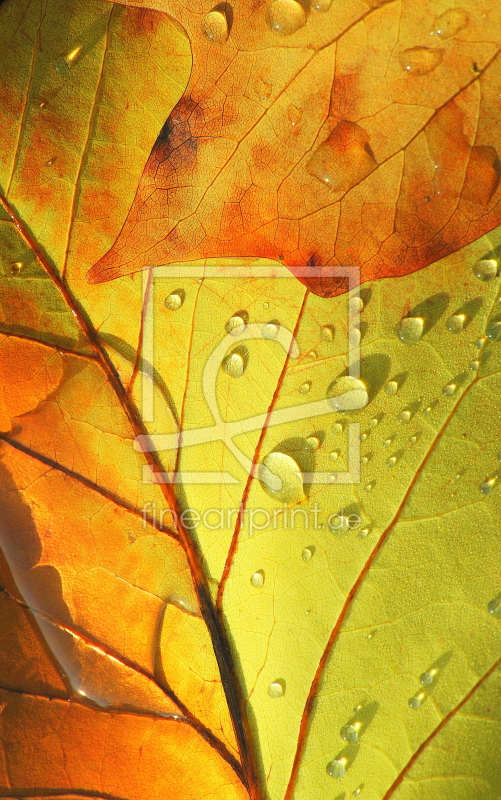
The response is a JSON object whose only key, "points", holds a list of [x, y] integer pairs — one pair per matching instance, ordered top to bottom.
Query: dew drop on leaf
{"points": [[321, 5], [286, 16], [449, 23], [215, 27], [420, 60], [263, 90], [294, 115], [51, 161], [16, 267], [486, 269], [173, 302], [356, 304], [455, 323], [235, 325], [411, 329], [270, 330], [493, 330], [327, 333], [354, 337], [479, 343], [234, 365], [474, 365], [305, 387], [391, 388], [449, 389], [349, 394], [404, 416], [373, 423], [337, 428], [363, 437], [412, 440], [387, 442], [311, 443], [334, 455], [364, 461], [391, 461], [281, 478], [370, 486], [487, 486], [338, 524], [363, 533], [308, 553], [257, 579], [494, 607], [371, 635], [428, 677], [277, 688], [417, 700], [350, 732], [337, 767], [357, 792]]}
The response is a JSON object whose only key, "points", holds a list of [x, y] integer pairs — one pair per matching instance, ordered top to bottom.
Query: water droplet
{"points": [[321, 5], [286, 16], [449, 23], [215, 27], [420, 60], [65, 63], [263, 90], [294, 115], [343, 159], [51, 161], [16, 267], [486, 269], [173, 302], [356, 304], [455, 323], [235, 325], [270, 330], [411, 330], [493, 330], [327, 333], [354, 337], [479, 343], [311, 354], [234, 365], [474, 365], [305, 387], [391, 388], [449, 389], [350, 394], [427, 410], [404, 416], [373, 423], [337, 428], [363, 437], [412, 440], [387, 442], [311, 443], [334, 455], [364, 461], [391, 461], [282, 478], [370, 486], [487, 486], [338, 524], [364, 532], [308, 553], [257, 579], [494, 607], [371, 635], [428, 677], [277, 688], [417, 700], [357, 708], [350, 732], [337, 767], [357, 791]]}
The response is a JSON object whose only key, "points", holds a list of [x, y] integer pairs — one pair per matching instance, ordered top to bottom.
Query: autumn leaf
{"points": [[249, 533]]}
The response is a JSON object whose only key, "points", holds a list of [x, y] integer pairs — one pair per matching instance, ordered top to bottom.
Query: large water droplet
{"points": [[286, 16], [449, 23], [215, 27], [420, 60], [343, 159], [486, 269], [173, 302], [356, 304], [455, 323], [235, 325], [493, 329], [270, 330], [411, 330], [354, 337], [234, 365], [474, 365], [305, 387], [391, 388], [449, 389], [349, 394], [405, 416], [337, 428], [311, 443], [334, 455], [391, 461], [282, 478], [487, 486], [338, 524], [308, 553], [257, 579], [494, 607], [428, 677], [277, 688], [417, 700], [350, 732], [337, 767]]}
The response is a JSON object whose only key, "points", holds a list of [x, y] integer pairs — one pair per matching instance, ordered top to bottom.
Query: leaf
{"points": [[250, 533]]}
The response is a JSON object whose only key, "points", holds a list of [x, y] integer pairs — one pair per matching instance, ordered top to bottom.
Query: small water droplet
{"points": [[321, 5], [286, 16], [449, 23], [215, 27], [421, 60], [65, 63], [263, 91], [294, 115], [51, 161], [16, 267], [486, 269], [173, 302], [356, 304], [455, 323], [235, 325], [270, 330], [411, 330], [493, 330], [327, 333], [354, 337], [479, 343], [311, 354], [234, 365], [474, 365], [305, 387], [391, 388], [449, 389], [350, 393], [427, 410], [404, 416], [373, 423], [337, 428], [363, 437], [412, 440], [387, 442], [311, 443], [334, 455], [364, 461], [391, 461], [282, 478], [487, 486], [369, 487], [338, 524], [364, 532], [131, 537], [308, 553], [257, 579], [494, 607], [371, 635], [428, 677], [277, 688], [417, 700], [357, 708], [350, 732], [337, 767], [357, 791]]}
